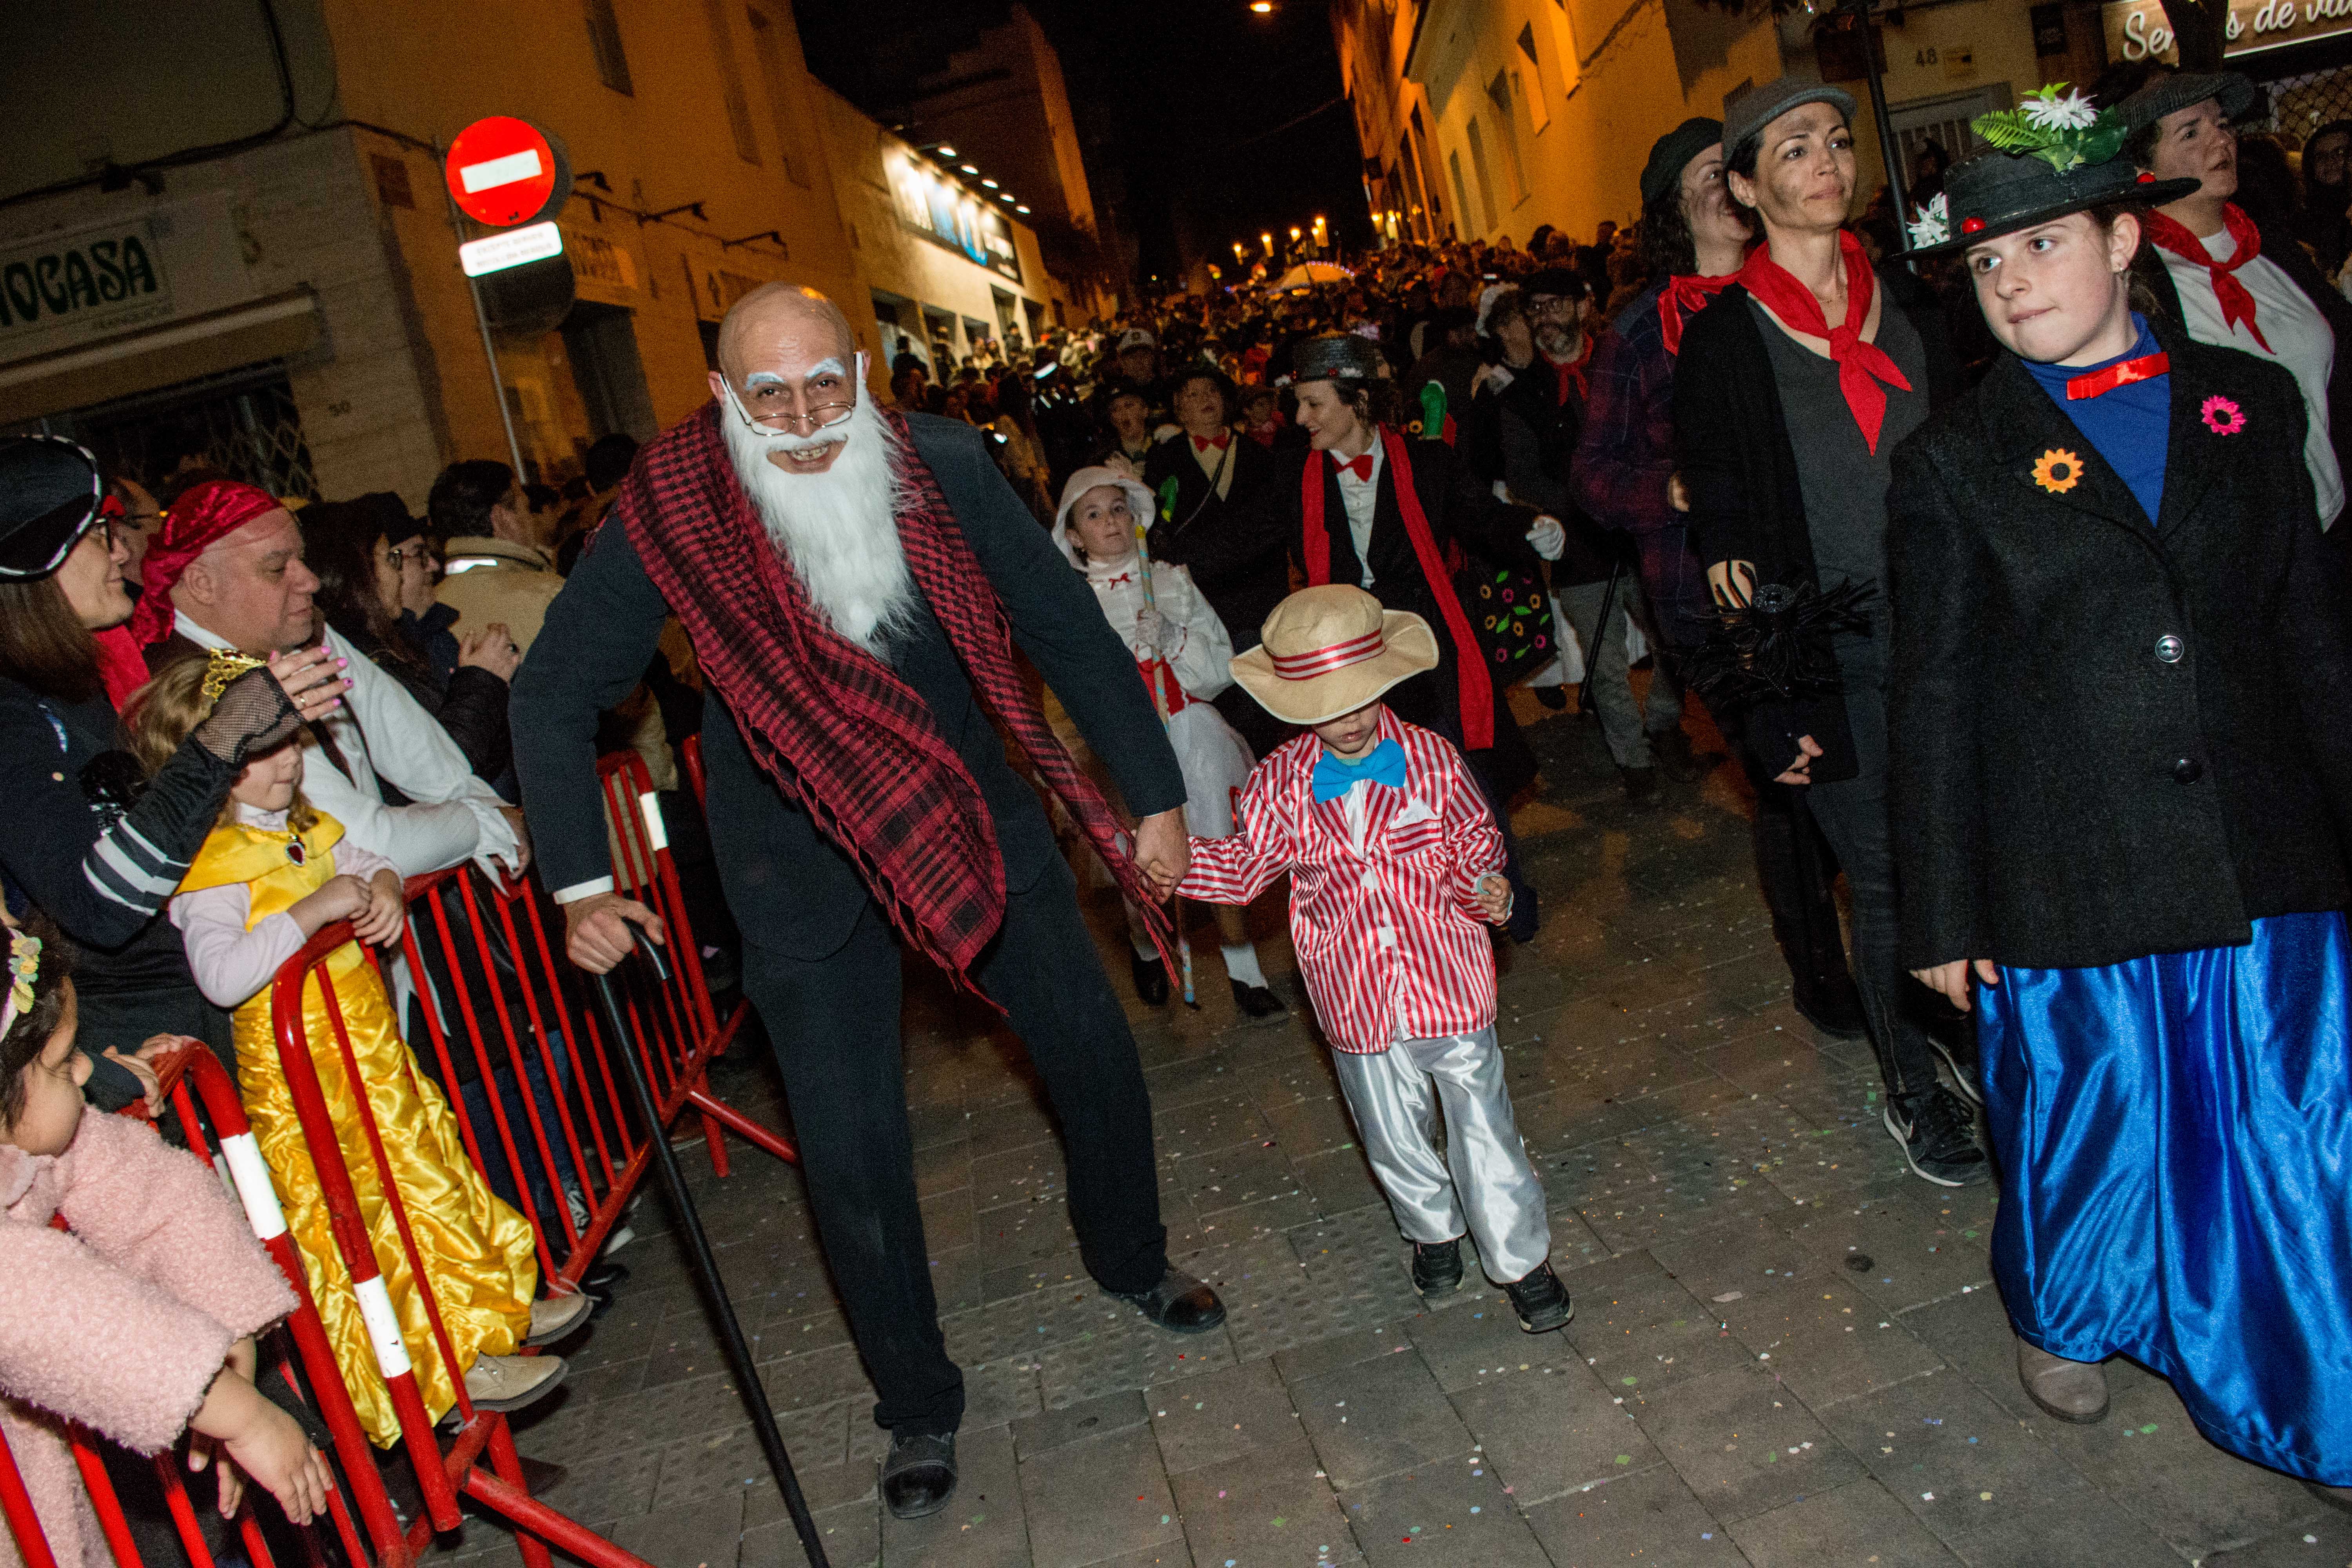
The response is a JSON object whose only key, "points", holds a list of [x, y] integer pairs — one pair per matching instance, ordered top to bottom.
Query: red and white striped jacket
{"points": [[1383, 909]]}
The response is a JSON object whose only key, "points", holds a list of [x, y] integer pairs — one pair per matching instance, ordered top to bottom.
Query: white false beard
{"points": [[836, 529]]}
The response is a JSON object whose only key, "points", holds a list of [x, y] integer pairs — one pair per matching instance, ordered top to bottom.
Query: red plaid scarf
{"points": [[835, 728]]}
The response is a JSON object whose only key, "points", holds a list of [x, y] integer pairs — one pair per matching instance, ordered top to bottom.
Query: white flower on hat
{"points": [[2048, 111], [1934, 224]]}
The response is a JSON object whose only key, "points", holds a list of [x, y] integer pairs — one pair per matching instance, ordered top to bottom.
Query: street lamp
{"points": [[1266, 239]]}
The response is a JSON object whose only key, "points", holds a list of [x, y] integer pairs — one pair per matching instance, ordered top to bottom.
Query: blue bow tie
{"points": [[1334, 778]]}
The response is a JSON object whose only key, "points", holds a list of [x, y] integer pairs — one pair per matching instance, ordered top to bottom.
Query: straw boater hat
{"points": [[1330, 651]]}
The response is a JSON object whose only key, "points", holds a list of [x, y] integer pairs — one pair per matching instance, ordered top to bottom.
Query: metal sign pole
{"points": [[1890, 150], [482, 320], [748, 1386]]}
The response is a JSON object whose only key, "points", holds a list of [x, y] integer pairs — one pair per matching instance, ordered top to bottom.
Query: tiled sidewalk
{"points": [[1786, 1351]]}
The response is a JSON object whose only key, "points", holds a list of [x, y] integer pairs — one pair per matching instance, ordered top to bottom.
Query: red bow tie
{"points": [[2147, 367], [1202, 443], [1360, 467]]}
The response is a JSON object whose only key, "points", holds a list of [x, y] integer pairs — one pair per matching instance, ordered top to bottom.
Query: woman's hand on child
{"points": [[313, 680], [1494, 897], [379, 920], [1950, 980]]}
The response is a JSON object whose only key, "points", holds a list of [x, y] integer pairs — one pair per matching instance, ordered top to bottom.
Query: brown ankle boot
{"points": [[2073, 1391]]}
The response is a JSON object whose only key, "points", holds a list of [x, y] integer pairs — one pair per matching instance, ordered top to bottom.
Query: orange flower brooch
{"points": [[2058, 470]]}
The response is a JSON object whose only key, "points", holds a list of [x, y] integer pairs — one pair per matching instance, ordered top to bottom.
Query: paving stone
{"points": [[1914, 1254], [1642, 1332], [1477, 1336], [1826, 1339], [1342, 1350], [1130, 1352], [795, 1381], [1113, 1413], [1225, 1415], [1377, 1417], [1548, 1431], [1743, 1443], [1949, 1453], [731, 1462], [1097, 1499], [1261, 1507], [1441, 1513], [1647, 1516], [1851, 1523], [984, 1525], [2089, 1530], [704, 1534], [852, 1537], [2326, 1537]]}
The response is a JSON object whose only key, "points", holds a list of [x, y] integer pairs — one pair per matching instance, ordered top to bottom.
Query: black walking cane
{"points": [[1600, 636], [706, 1267]]}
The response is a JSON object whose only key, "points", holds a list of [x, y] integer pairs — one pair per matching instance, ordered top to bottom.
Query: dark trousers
{"points": [[1853, 816], [835, 1023]]}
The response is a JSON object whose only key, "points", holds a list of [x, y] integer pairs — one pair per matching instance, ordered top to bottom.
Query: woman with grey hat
{"points": [[2226, 279], [1791, 391], [1363, 505], [2122, 797], [96, 847]]}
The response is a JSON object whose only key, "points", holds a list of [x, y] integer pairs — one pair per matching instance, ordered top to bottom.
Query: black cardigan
{"points": [[1732, 450], [2070, 787]]}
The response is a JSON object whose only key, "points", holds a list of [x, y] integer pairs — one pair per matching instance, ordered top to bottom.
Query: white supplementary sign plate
{"points": [[498, 252]]}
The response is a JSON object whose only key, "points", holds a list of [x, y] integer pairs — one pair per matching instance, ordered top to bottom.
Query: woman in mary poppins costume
{"points": [[1361, 504], [2122, 788]]}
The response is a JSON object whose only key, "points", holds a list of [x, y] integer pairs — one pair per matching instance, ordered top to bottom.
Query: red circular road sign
{"points": [[503, 171]]}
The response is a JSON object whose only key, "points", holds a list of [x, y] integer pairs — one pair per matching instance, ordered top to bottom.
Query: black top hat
{"points": [[2175, 91], [2060, 158], [1335, 357], [49, 496]]}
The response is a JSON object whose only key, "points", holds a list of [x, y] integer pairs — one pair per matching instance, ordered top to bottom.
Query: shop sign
{"points": [[2140, 30], [946, 214], [597, 260], [81, 284]]}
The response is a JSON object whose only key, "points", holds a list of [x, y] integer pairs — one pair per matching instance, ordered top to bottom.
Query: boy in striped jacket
{"points": [[1395, 863]]}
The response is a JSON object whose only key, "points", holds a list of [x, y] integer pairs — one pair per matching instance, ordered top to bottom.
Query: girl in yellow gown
{"points": [[272, 874]]}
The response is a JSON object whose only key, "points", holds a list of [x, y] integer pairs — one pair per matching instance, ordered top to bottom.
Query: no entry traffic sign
{"points": [[504, 171]]}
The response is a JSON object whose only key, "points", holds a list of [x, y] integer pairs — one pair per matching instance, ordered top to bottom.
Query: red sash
{"points": [[1475, 687]]}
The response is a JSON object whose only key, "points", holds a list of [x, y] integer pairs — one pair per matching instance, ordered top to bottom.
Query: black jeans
{"points": [[1852, 817], [835, 1023]]}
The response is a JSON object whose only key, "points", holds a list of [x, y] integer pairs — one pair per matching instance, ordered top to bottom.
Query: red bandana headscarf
{"points": [[2237, 304], [1860, 366], [195, 522]]}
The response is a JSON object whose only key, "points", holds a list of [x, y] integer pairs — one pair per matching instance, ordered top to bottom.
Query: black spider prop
{"points": [[1778, 645]]}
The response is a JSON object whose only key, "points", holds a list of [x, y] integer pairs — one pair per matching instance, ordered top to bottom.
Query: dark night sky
{"points": [[1175, 99]]}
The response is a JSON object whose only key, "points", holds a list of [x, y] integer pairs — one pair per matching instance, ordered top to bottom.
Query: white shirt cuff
{"points": [[584, 889]]}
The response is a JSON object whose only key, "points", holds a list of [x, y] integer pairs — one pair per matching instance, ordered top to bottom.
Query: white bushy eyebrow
{"points": [[825, 367], [763, 378]]}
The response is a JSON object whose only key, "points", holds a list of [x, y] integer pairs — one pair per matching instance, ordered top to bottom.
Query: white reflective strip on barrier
{"points": [[657, 835], [252, 1185], [384, 1327]]}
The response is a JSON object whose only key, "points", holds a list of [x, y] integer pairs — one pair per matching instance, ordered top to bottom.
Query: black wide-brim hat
{"points": [[2172, 91], [1990, 193], [1335, 357], [50, 491]]}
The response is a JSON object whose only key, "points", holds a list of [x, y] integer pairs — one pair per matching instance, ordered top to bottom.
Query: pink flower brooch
{"points": [[2222, 416]]}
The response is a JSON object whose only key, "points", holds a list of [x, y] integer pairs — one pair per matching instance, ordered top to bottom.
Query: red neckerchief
{"points": [[1685, 296], [2237, 304], [1860, 366], [2147, 367], [1571, 373], [1202, 443], [1475, 685], [834, 727]]}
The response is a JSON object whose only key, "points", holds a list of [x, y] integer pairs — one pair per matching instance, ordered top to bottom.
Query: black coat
{"points": [[1523, 433], [1747, 502], [1243, 592], [2069, 787], [790, 888]]}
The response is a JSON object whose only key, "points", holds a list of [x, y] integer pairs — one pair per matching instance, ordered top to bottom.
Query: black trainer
{"points": [[1256, 1002], [1938, 1137], [1436, 1268], [1541, 1301], [1179, 1304], [920, 1476]]}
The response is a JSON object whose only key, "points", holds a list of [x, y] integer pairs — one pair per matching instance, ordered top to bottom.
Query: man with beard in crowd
{"points": [[848, 578]]}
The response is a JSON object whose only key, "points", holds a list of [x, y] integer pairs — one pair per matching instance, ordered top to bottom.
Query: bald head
{"points": [[783, 329], [789, 366]]}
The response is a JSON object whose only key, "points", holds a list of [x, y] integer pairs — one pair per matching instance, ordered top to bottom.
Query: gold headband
{"points": [[223, 667]]}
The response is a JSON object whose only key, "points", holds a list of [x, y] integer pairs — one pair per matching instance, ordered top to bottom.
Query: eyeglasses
{"points": [[816, 416], [397, 556]]}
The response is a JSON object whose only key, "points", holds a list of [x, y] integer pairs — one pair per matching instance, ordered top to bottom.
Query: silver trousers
{"points": [[1483, 1182]]}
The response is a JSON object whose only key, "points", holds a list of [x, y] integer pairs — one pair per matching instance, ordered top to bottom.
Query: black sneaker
{"points": [[1258, 1004], [1964, 1074], [1938, 1137], [1436, 1268], [1541, 1301], [1179, 1304], [920, 1474]]}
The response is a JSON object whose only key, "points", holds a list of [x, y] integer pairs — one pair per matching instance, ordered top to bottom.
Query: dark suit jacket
{"points": [[1243, 592], [2068, 786], [790, 889]]}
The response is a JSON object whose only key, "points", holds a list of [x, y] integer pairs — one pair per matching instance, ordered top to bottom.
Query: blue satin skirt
{"points": [[2174, 1133]]}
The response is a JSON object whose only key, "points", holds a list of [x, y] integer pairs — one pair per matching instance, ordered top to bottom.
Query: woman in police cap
{"points": [[1363, 505], [2122, 788], [90, 845]]}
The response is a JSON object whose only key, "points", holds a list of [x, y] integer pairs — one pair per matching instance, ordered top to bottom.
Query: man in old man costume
{"points": [[848, 575]]}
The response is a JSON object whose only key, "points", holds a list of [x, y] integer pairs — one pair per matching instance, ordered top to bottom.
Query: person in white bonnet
{"points": [[1183, 653]]}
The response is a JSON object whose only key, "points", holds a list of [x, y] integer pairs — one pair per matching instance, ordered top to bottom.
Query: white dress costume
{"points": [[1216, 759]]}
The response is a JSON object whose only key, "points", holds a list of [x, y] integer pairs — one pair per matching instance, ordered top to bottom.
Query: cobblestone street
{"points": [[1785, 1350]]}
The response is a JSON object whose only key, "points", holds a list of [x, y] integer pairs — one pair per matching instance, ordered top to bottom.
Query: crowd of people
{"points": [[1997, 545]]}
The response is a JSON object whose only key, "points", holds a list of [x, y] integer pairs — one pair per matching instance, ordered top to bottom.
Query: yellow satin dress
{"points": [[476, 1252]]}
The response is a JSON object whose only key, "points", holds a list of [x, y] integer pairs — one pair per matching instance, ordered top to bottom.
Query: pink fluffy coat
{"points": [[122, 1324]]}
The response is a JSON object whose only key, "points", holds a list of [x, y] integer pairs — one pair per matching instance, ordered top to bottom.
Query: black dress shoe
{"points": [[1552, 696], [1641, 784], [1151, 979], [1258, 1002], [1436, 1268], [1541, 1301], [1179, 1304], [920, 1476]]}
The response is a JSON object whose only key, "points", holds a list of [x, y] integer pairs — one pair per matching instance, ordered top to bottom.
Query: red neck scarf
{"points": [[1683, 296], [2237, 304], [1860, 366], [1571, 372], [1475, 685], [834, 726]]}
